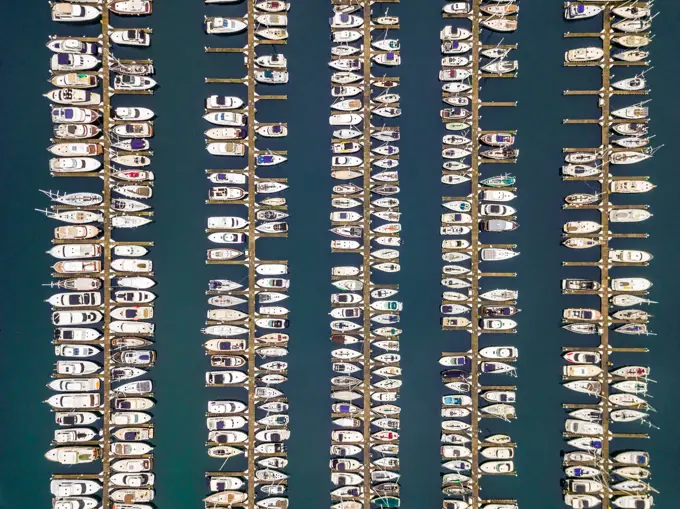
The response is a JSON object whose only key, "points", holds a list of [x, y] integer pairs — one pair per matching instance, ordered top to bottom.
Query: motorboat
{"points": [[131, 7], [456, 8], [574, 11], [631, 11], [74, 13], [449, 33], [131, 37], [74, 46], [453, 47], [587, 54], [270, 76], [75, 80], [128, 82], [75, 96], [133, 114], [74, 115], [75, 131], [630, 186], [497, 225], [578, 227], [629, 256], [581, 314], [73, 455]]}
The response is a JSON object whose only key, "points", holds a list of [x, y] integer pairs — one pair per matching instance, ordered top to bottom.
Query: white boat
{"points": [[272, 6], [131, 7], [456, 8], [573, 11], [632, 11], [72, 13], [272, 20], [345, 21], [499, 24], [632, 25], [449, 33], [273, 34], [343, 36], [131, 37], [75, 46], [587, 54], [501, 67], [271, 76], [128, 82], [634, 83], [74, 96], [631, 113], [133, 114], [74, 115], [272, 131], [630, 186], [629, 215], [629, 256], [75, 401], [73, 455], [74, 487]]}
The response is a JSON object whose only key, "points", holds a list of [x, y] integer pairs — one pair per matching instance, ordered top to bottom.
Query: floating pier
{"points": [[607, 64], [108, 215], [250, 261], [369, 332], [470, 491]]}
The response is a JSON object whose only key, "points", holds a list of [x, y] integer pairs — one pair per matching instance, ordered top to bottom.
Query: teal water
{"points": [[180, 242]]}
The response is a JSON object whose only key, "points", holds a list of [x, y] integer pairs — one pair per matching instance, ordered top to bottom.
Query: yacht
{"points": [[73, 13], [131, 37]]}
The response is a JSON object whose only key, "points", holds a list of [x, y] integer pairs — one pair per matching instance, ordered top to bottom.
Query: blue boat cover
{"points": [[63, 58], [137, 143]]}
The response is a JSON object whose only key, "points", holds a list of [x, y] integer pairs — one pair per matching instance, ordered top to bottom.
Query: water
{"points": [[180, 242]]}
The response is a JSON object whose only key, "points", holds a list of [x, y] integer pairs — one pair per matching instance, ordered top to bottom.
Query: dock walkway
{"points": [[604, 207], [106, 276], [256, 447], [470, 491]]}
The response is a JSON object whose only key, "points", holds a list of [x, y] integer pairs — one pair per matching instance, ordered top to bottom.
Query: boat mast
{"points": [[470, 492]]}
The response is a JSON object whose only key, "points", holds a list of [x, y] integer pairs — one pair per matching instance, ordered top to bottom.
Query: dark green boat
{"points": [[387, 501]]}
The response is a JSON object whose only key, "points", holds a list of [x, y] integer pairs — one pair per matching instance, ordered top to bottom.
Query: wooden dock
{"points": [[107, 243], [250, 260], [604, 265], [107, 273], [364, 361], [473, 497]]}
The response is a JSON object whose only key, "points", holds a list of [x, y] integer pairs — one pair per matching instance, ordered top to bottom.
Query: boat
{"points": [[574, 11], [73, 13], [499, 24], [272, 34], [75, 46], [587, 54], [501, 67], [74, 80], [74, 96], [133, 114], [628, 157], [630, 186], [582, 199], [577, 227], [581, 242], [629, 256], [589, 387], [73, 455]]}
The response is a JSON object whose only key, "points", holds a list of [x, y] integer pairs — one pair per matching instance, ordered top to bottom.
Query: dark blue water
{"points": [[180, 243]]}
